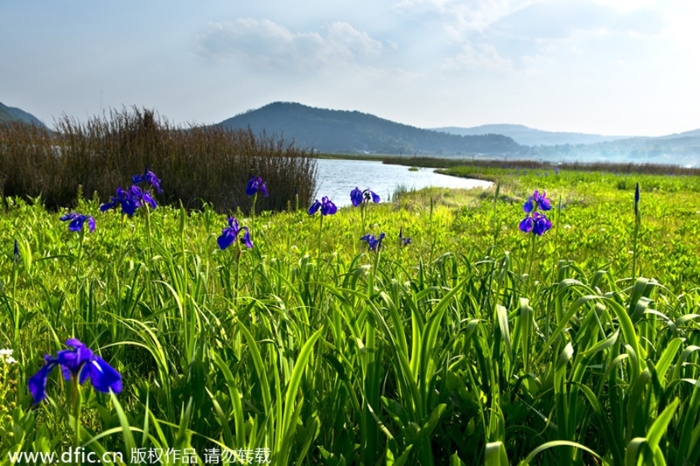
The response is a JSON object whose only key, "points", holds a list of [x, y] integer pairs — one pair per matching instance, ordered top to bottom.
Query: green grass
{"points": [[443, 352]]}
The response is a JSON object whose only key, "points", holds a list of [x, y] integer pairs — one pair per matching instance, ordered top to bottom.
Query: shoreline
{"points": [[444, 163]]}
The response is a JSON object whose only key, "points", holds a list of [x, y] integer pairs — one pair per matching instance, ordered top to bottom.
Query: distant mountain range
{"points": [[8, 114], [335, 131], [531, 137], [674, 149]]}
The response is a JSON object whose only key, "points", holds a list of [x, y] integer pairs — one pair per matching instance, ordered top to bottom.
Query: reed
{"points": [[202, 164]]}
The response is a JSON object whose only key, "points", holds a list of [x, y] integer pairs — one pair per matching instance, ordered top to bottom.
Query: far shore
{"points": [[440, 162]]}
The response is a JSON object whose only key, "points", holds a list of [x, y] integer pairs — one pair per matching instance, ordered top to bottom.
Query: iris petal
{"points": [[252, 186], [356, 196], [147, 198], [107, 206], [327, 206], [129, 207], [314, 207], [76, 224], [527, 224], [227, 237], [245, 239], [75, 343], [103, 376], [37, 382]]}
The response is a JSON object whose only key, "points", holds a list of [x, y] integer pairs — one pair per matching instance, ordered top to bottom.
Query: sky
{"points": [[613, 67]]}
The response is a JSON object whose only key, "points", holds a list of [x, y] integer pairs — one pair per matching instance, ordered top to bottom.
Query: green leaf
{"points": [[496, 454]]}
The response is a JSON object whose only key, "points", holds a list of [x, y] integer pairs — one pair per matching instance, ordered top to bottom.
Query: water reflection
{"points": [[336, 178]]}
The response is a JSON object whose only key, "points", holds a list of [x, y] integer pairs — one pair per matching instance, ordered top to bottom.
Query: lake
{"points": [[336, 178]]}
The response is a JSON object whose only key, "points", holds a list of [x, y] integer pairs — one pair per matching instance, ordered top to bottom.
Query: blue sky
{"points": [[617, 67]]}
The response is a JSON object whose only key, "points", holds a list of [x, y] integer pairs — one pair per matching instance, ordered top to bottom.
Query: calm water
{"points": [[336, 178]]}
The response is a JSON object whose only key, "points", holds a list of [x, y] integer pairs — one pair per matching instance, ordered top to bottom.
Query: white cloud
{"points": [[627, 5], [460, 17], [268, 45], [481, 57], [533, 64]]}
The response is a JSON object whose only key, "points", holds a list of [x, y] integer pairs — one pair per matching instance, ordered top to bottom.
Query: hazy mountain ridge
{"points": [[8, 114], [340, 131], [526, 136], [671, 150]]}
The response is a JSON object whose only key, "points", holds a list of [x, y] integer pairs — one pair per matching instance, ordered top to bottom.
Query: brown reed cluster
{"points": [[197, 164]]}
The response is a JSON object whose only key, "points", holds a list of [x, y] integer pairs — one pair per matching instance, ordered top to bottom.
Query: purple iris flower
{"points": [[148, 176], [254, 185], [141, 197], [357, 197], [124, 199], [539, 199], [130, 200], [636, 200], [325, 204], [78, 220], [535, 221], [541, 224], [230, 233], [403, 241], [373, 243], [16, 252], [81, 363]]}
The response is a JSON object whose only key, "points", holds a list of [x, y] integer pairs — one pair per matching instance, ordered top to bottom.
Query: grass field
{"points": [[476, 343]]}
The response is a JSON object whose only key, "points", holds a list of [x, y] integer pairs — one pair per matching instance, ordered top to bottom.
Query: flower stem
{"points": [[252, 215], [637, 221], [496, 224], [148, 228], [320, 229], [80, 247], [532, 255], [238, 268], [15, 305], [77, 408]]}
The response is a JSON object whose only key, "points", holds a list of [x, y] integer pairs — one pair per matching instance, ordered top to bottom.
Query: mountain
{"points": [[4, 114], [15, 114], [336, 131], [686, 134], [530, 137], [674, 149]]}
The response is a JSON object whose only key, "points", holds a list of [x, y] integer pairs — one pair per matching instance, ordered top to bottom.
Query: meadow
{"points": [[474, 343]]}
